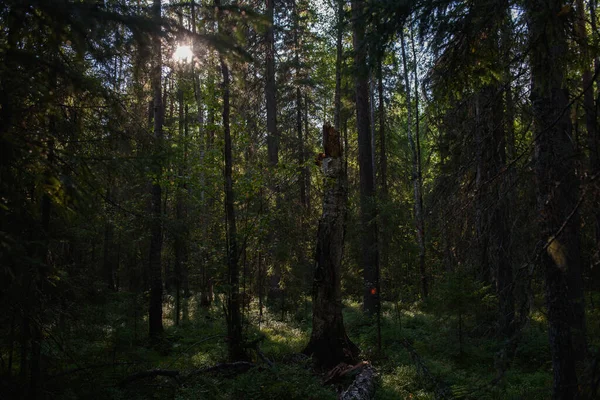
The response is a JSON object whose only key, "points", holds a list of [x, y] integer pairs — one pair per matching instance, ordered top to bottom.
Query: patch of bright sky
{"points": [[183, 53]]}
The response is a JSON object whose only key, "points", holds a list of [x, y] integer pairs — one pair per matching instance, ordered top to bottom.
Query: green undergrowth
{"points": [[111, 345]]}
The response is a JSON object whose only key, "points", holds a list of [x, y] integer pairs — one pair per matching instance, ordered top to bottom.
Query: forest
{"points": [[299, 199]]}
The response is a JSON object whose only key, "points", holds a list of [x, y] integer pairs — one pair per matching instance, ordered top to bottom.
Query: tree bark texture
{"points": [[557, 191], [370, 254], [155, 271], [329, 344], [363, 386]]}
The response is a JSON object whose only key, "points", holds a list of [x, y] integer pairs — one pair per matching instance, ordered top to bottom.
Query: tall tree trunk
{"points": [[271, 89], [337, 106], [591, 110], [372, 119], [206, 134], [382, 137], [503, 145], [482, 148], [301, 152], [301, 159], [306, 170], [383, 184], [557, 189], [417, 192], [368, 207], [181, 229], [108, 267], [500, 267], [155, 271], [425, 281], [38, 284], [275, 292], [234, 318], [329, 344]]}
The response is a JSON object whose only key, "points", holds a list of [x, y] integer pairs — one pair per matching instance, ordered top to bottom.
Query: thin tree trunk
{"points": [[271, 89], [337, 106], [372, 119], [382, 139], [504, 144], [301, 158], [306, 170], [383, 184], [418, 197], [368, 208], [499, 218], [180, 237], [480, 257], [108, 260], [422, 269], [155, 271], [185, 281], [38, 284], [260, 290], [275, 290], [234, 320], [11, 343]]}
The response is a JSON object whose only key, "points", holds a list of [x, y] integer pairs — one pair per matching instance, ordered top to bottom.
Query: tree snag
{"points": [[329, 344]]}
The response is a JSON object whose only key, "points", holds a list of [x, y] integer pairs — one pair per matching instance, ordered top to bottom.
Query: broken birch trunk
{"points": [[329, 344], [363, 387]]}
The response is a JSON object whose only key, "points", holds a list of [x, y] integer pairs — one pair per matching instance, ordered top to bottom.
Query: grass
{"points": [[117, 340]]}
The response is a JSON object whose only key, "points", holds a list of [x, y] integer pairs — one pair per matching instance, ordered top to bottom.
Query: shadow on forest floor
{"points": [[116, 340]]}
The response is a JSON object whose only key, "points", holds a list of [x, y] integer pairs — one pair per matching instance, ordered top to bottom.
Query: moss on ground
{"points": [[117, 341]]}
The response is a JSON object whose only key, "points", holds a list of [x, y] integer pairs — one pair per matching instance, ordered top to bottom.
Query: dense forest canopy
{"points": [[299, 199]]}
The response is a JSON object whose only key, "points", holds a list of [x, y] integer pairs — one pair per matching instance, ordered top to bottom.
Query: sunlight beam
{"points": [[183, 54]]}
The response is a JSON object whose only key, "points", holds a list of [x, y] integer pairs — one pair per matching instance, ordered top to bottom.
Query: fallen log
{"points": [[263, 357], [88, 367], [233, 368], [343, 370], [149, 374], [363, 387], [442, 391]]}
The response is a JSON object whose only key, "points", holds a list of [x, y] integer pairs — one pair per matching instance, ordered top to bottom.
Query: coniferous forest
{"points": [[299, 199]]}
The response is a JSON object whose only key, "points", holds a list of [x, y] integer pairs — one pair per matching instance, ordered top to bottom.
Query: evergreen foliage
{"points": [[169, 216]]}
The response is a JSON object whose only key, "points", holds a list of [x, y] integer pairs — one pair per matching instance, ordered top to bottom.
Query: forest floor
{"points": [[110, 346]]}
